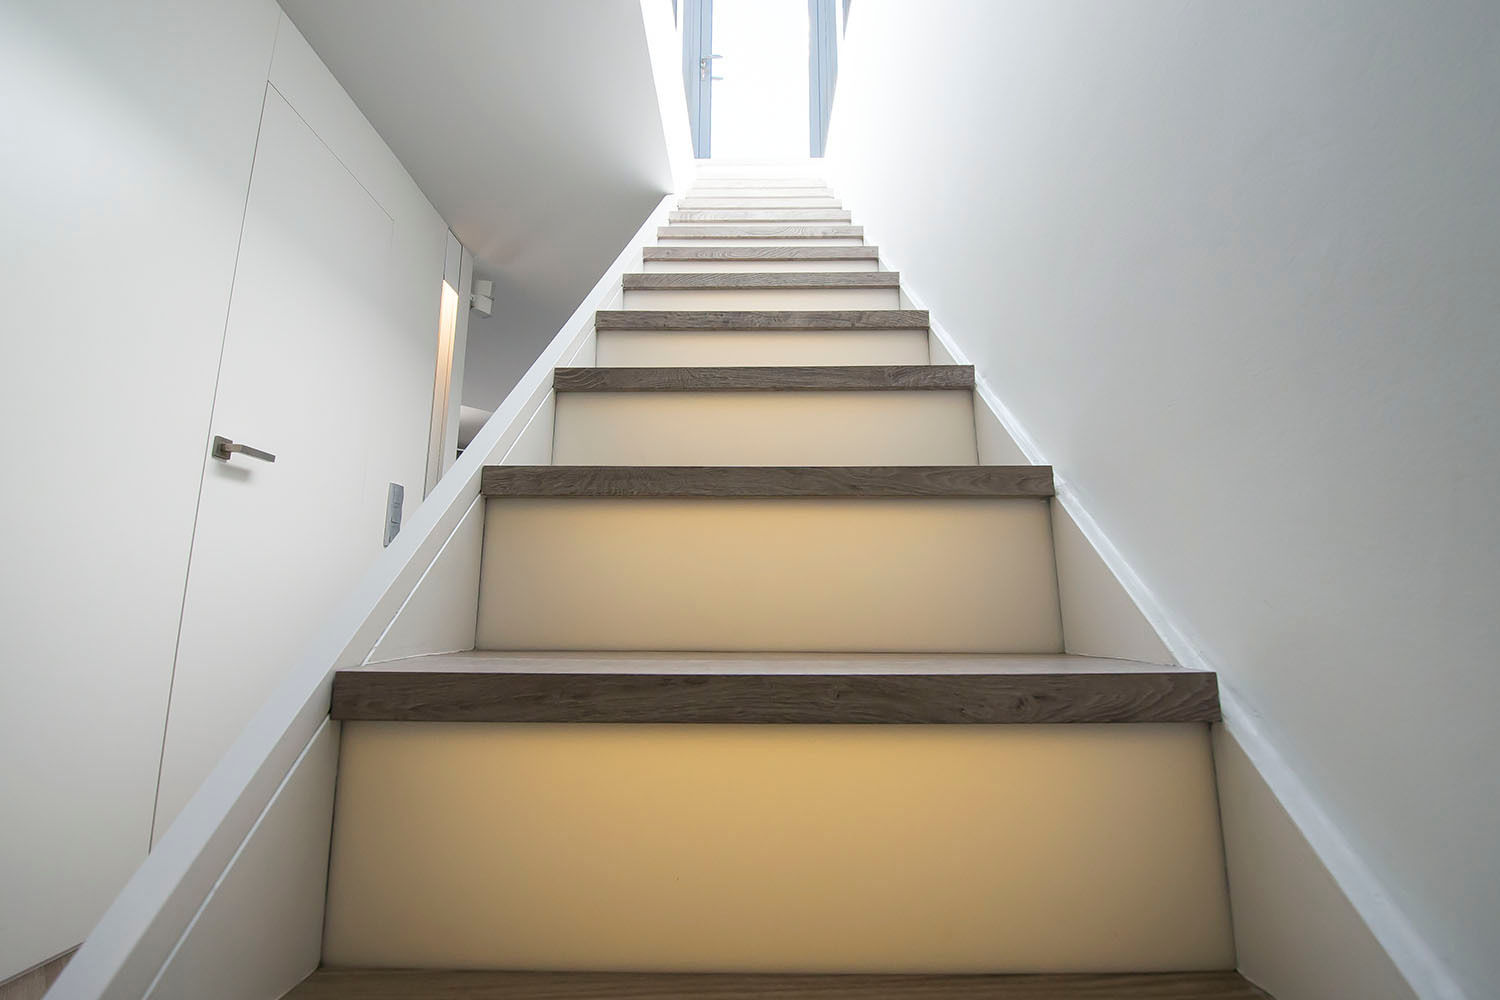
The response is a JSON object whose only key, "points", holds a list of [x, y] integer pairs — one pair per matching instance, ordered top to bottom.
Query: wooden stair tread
{"points": [[753, 231], [762, 253], [762, 279], [761, 319], [823, 378], [767, 482], [785, 689], [412, 984]]}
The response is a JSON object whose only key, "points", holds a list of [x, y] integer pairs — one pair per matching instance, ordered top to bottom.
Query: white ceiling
{"points": [[532, 126]]}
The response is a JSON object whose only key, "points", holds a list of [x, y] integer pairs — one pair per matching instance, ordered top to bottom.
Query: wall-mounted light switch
{"points": [[394, 497]]}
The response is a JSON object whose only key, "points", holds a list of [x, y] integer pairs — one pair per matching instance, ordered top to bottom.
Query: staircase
{"points": [[769, 695]]}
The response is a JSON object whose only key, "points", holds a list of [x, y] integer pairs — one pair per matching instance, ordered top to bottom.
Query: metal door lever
{"points": [[705, 67], [223, 448]]}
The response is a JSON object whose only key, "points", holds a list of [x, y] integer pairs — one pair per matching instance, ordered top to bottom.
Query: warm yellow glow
{"points": [[437, 446], [827, 574], [777, 848]]}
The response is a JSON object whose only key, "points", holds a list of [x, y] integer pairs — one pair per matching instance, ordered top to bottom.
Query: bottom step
{"points": [[700, 848], [404, 984]]}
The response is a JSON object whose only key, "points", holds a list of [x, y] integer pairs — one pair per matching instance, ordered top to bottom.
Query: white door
{"points": [[760, 101], [276, 545]]}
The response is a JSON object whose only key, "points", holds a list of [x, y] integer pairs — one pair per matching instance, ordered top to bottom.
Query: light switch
{"points": [[394, 498]]}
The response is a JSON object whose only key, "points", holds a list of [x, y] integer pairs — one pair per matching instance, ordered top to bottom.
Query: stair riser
{"points": [[739, 266], [763, 298], [650, 348], [765, 428], [836, 575], [777, 848]]}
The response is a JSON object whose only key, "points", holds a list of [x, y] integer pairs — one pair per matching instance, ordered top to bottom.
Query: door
{"points": [[822, 70], [698, 71], [759, 76], [277, 544]]}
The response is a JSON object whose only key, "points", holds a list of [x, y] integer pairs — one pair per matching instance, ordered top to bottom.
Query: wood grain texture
{"points": [[759, 215], [756, 232], [761, 253], [764, 279], [762, 319], [821, 378], [767, 482], [488, 661], [776, 698], [401, 984]]}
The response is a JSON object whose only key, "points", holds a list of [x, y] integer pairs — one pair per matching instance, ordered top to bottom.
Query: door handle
{"points": [[705, 67], [223, 448]]}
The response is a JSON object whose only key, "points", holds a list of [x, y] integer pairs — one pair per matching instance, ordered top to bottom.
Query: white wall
{"points": [[129, 134], [549, 149], [120, 223], [1232, 267], [503, 345], [328, 360]]}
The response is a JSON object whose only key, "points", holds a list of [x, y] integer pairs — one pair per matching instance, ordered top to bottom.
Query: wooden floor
{"points": [[381, 984]]}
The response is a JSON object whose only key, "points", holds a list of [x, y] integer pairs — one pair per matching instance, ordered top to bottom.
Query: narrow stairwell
{"points": [[769, 694]]}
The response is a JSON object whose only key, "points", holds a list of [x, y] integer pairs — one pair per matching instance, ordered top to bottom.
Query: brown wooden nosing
{"points": [[761, 279], [761, 319], [819, 378], [1026, 482], [1175, 696], [421, 984]]}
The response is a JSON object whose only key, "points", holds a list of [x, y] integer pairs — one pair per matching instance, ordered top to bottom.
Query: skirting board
{"points": [[271, 892], [1413, 956]]}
